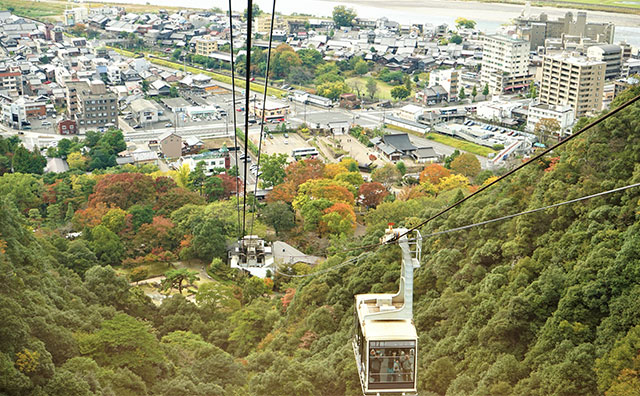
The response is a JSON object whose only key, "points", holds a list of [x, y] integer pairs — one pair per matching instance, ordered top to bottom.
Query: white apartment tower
{"points": [[505, 64], [447, 79], [572, 80]]}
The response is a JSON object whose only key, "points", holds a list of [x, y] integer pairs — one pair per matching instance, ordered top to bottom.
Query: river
{"points": [[489, 16]]}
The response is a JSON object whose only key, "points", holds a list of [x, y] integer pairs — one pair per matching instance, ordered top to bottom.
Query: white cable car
{"points": [[385, 343]]}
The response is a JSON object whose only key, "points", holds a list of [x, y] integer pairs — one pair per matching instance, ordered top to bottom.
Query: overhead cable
{"points": [[233, 110], [246, 110], [262, 117], [511, 172], [468, 226]]}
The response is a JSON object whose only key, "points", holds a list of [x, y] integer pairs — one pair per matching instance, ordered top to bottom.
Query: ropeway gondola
{"points": [[385, 342]]}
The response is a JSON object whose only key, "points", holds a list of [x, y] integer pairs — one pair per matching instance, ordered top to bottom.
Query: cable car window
{"points": [[392, 362]]}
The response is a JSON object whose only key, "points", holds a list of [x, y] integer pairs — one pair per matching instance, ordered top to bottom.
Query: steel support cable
{"points": [[233, 110], [246, 111], [262, 120], [511, 172], [481, 223], [324, 271]]}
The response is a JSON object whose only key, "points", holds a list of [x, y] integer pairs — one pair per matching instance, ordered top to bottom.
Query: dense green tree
{"points": [[343, 16], [464, 22], [361, 67], [372, 87], [485, 90], [400, 92], [462, 94], [25, 161], [466, 164], [272, 168], [197, 177], [25, 190], [141, 214], [280, 216], [106, 245], [79, 257], [124, 342]]}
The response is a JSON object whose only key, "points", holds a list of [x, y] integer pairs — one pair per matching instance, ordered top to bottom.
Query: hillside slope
{"points": [[545, 304]]}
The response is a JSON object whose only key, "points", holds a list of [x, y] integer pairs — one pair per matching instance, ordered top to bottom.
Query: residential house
{"points": [[170, 145]]}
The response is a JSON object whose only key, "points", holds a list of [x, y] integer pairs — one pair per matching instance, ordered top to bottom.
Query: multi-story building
{"points": [[75, 15], [263, 24], [537, 29], [206, 45], [610, 54], [505, 64], [630, 68], [114, 74], [447, 79], [572, 80], [11, 81], [91, 105], [272, 110], [564, 114], [67, 127], [213, 161]]}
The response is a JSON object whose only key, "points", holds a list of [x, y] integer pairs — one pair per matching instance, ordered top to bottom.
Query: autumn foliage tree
{"points": [[466, 164], [303, 170], [432, 173], [124, 190], [285, 192], [372, 194], [158, 233]]}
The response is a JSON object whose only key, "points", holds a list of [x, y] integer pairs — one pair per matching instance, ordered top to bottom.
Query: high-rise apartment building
{"points": [[536, 29], [610, 54], [505, 64], [572, 80], [91, 105]]}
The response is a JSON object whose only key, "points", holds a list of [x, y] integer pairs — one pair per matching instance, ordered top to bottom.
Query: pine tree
{"points": [[69, 215]]}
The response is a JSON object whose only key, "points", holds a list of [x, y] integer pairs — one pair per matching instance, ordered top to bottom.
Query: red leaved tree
{"points": [[301, 171], [124, 190], [372, 194]]}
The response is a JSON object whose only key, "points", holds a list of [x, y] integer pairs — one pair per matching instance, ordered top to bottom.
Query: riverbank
{"points": [[54, 8], [499, 10]]}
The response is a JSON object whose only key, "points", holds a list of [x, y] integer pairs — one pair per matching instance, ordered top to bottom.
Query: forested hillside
{"points": [[545, 304]]}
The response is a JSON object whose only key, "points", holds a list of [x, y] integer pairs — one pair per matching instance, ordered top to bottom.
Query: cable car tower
{"points": [[385, 343]]}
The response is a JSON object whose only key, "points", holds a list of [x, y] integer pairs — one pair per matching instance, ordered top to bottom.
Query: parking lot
{"points": [[168, 119], [41, 124], [281, 144]]}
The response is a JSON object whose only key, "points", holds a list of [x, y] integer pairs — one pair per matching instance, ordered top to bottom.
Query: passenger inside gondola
{"points": [[387, 365]]}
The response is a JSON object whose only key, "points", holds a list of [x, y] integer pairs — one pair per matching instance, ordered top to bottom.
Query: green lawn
{"points": [[33, 9], [383, 92], [461, 144]]}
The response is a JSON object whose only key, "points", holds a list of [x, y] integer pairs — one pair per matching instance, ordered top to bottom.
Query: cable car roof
{"points": [[372, 329], [389, 330]]}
